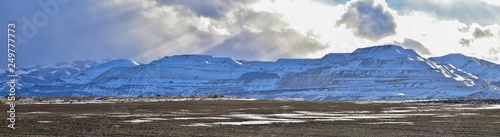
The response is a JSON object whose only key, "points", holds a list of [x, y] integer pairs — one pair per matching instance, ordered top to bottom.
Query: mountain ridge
{"points": [[378, 72]]}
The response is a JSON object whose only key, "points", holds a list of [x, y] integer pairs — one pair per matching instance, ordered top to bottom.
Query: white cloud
{"points": [[492, 2], [466, 11], [368, 19], [267, 30], [439, 36]]}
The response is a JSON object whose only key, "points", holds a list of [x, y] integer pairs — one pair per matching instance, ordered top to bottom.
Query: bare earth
{"points": [[253, 118]]}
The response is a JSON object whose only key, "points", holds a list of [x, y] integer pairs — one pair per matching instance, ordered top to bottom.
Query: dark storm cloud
{"points": [[368, 20], [150, 29], [232, 29], [478, 33], [266, 37], [465, 42], [267, 45], [415, 45]]}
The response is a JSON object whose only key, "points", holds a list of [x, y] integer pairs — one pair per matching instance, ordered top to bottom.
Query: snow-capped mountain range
{"points": [[379, 72]]}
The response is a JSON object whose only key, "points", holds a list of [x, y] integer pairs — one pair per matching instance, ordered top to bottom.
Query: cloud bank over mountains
{"points": [[255, 29]]}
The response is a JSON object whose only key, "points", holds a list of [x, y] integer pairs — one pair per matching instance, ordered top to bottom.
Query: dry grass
{"points": [[105, 120]]}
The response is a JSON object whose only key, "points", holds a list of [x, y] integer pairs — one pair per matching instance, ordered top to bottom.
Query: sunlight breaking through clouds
{"points": [[259, 30]]}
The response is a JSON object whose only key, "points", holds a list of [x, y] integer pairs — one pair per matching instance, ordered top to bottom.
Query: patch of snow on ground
{"points": [[479, 108], [398, 111], [38, 112], [353, 112], [117, 113], [187, 113], [468, 114], [141, 115], [445, 115], [79, 116], [191, 118], [155, 119], [336, 119], [137, 121], [257, 122], [377, 123], [197, 125]]}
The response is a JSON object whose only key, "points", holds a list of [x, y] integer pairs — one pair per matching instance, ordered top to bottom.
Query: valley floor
{"points": [[254, 118]]}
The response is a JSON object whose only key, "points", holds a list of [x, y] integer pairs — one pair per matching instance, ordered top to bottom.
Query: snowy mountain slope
{"points": [[481, 68], [383, 71], [92, 72], [379, 72], [46, 74]]}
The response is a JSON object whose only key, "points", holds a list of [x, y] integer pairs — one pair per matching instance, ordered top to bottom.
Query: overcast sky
{"points": [[50, 31]]}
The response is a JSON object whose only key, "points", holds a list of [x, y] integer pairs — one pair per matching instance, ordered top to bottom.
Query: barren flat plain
{"points": [[255, 118]]}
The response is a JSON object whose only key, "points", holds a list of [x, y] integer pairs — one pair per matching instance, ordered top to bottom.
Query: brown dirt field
{"points": [[109, 119]]}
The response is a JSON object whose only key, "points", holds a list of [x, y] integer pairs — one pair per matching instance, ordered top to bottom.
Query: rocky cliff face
{"points": [[379, 72]]}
